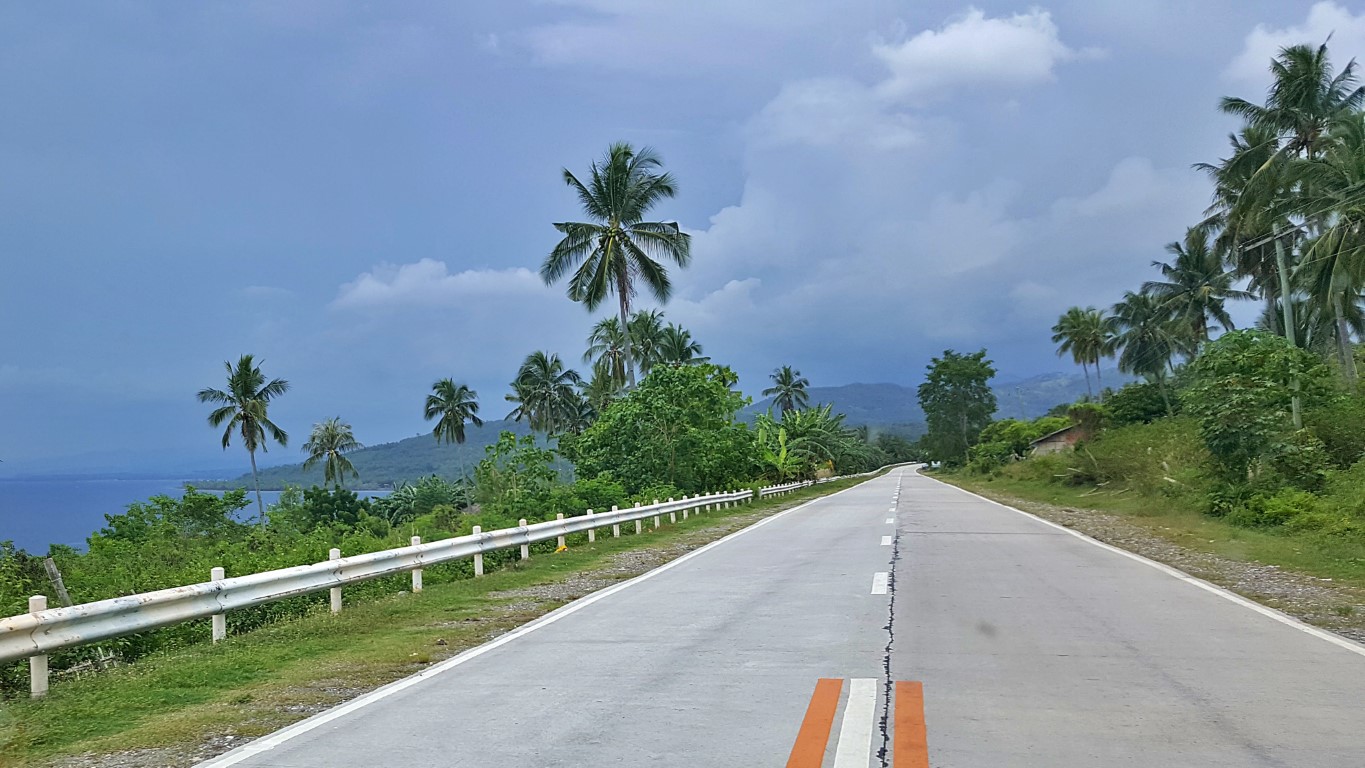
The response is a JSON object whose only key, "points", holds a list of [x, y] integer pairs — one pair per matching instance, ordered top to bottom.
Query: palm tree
{"points": [[617, 246], [1197, 285], [646, 334], [1088, 336], [1148, 337], [677, 347], [607, 351], [600, 390], [788, 390], [544, 393], [452, 405], [243, 407], [329, 443]]}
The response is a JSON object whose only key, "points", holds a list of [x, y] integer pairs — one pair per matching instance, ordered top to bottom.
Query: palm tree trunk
{"points": [[1287, 302], [625, 331], [1344, 351], [1099, 384], [1089, 395], [1165, 397], [255, 478]]}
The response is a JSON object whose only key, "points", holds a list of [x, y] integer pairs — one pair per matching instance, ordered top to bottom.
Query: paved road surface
{"points": [[1034, 647]]}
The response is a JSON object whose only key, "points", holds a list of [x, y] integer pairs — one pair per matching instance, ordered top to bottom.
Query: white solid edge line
{"points": [[886, 541], [879, 582], [1283, 618], [855, 734], [269, 742]]}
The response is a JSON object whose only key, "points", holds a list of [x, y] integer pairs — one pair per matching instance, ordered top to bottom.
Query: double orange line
{"points": [[910, 745]]}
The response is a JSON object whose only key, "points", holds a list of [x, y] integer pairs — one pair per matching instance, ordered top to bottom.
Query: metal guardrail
{"points": [[33, 635]]}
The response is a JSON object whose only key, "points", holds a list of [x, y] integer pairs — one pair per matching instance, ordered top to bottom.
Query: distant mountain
{"points": [[1035, 396], [891, 407], [384, 465]]}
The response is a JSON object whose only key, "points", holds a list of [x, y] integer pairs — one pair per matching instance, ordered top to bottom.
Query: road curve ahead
{"points": [[901, 622]]}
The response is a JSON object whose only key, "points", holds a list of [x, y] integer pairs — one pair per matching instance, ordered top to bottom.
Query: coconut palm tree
{"points": [[1306, 97], [616, 248], [1197, 285], [646, 334], [1087, 335], [1148, 338], [677, 347], [607, 351], [788, 390], [544, 393], [452, 405], [243, 408], [329, 443]]}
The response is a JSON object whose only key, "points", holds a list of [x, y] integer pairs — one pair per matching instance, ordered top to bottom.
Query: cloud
{"points": [[1325, 19], [975, 50], [832, 112], [429, 283]]}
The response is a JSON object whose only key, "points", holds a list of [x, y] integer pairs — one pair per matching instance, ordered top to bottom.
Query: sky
{"points": [[361, 194]]}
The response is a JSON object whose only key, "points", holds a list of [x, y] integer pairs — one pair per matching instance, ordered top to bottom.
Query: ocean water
{"points": [[36, 512]]}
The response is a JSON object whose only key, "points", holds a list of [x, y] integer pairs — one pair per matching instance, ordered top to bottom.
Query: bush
{"points": [[1135, 404], [1340, 425], [1300, 460], [1272, 511]]}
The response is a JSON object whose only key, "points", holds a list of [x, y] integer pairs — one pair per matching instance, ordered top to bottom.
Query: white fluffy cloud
{"points": [[1325, 19], [975, 50], [429, 283]]}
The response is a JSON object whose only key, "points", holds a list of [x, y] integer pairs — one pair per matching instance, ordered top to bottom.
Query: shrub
{"points": [[1137, 403], [1340, 425]]}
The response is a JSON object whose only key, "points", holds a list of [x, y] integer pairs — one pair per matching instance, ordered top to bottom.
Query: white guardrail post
{"points": [[672, 513], [615, 527], [592, 533], [335, 554], [416, 572], [219, 619], [42, 630], [37, 665]]}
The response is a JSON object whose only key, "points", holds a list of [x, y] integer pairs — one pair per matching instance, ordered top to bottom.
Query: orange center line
{"points": [[813, 738], [911, 742]]}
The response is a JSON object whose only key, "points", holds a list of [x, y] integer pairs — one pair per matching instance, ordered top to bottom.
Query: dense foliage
{"points": [[958, 402]]}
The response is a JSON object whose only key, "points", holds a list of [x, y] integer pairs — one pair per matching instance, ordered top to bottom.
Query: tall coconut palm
{"points": [[1306, 97], [616, 248], [1197, 285], [646, 335], [1087, 335], [1147, 336], [677, 347], [607, 351], [788, 390], [599, 391], [544, 393], [452, 406], [243, 408], [329, 443]]}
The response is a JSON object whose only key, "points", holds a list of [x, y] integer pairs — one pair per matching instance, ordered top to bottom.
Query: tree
{"points": [[1306, 97], [617, 247], [1197, 285], [646, 334], [1085, 334], [1148, 337], [677, 347], [607, 352], [789, 389], [544, 393], [1241, 393], [957, 401], [452, 406], [243, 407], [678, 427], [329, 443]]}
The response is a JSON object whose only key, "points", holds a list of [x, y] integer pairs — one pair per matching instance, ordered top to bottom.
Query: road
{"points": [[1010, 642]]}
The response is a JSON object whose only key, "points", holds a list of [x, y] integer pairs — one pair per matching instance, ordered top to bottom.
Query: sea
{"points": [[39, 511]]}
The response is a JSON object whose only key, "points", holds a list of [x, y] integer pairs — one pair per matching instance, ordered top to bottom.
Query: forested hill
{"points": [[883, 407], [385, 464]]}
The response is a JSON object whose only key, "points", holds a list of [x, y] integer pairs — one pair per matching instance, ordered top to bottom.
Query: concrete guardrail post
{"points": [[684, 498], [672, 514], [656, 517], [637, 520], [615, 527], [592, 532], [560, 540], [525, 548], [335, 554], [478, 556], [416, 572], [218, 620], [37, 665]]}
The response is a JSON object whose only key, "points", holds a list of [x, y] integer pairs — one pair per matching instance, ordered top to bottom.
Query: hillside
{"points": [[385, 464]]}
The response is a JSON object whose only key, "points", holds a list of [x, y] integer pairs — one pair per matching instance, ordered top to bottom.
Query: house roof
{"points": [[1063, 430]]}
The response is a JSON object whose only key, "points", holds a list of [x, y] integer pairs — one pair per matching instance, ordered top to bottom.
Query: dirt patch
{"points": [[1320, 602]]}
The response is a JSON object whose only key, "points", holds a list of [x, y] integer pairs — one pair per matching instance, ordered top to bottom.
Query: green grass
{"points": [[1177, 520], [257, 682]]}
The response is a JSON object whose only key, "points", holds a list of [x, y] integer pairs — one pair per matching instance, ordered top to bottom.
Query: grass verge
{"points": [[183, 706]]}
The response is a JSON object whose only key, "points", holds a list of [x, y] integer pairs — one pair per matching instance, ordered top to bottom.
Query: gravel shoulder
{"points": [[1323, 603]]}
